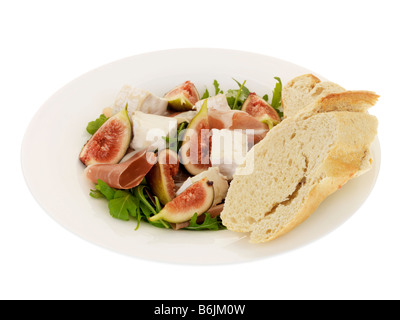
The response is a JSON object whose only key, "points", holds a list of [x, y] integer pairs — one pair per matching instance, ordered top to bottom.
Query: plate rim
{"points": [[44, 107]]}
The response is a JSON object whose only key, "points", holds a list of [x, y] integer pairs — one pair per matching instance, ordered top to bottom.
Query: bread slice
{"points": [[303, 91], [352, 101], [296, 166]]}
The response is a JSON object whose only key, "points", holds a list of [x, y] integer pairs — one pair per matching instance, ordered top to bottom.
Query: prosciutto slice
{"points": [[236, 119], [125, 175]]}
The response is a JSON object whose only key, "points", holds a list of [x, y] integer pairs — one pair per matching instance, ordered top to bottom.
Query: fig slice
{"points": [[183, 97], [261, 110], [110, 142], [196, 144], [160, 177], [220, 183], [198, 198]]}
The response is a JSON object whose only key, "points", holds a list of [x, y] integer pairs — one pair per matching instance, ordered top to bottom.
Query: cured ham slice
{"points": [[236, 119], [125, 175], [177, 226]]}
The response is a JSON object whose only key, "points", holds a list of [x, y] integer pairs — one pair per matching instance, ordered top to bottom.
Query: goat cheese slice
{"points": [[139, 100], [217, 102], [185, 116], [149, 130], [228, 151]]}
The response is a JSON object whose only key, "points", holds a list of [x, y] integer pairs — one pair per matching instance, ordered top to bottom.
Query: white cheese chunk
{"points": [[139, 100], [217, 102], [186, 116], [149, 130], [228, 151], [220, 183], [184, 186]]}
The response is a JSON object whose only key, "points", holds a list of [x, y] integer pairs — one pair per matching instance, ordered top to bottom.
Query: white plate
{"points": [[57, 132]]}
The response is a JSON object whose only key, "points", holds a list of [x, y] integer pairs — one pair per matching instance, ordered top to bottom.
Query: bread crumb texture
{"points": [[296, 166]]}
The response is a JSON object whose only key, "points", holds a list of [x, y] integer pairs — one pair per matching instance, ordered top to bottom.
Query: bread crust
{"points": [[309, 77], [313, 80], [303, 91], [352, 101], [355, 101], [346, 156], [346, 159], [340, 173]]}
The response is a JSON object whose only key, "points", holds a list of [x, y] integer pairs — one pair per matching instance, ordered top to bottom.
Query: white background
{"points": [[46, 44]]}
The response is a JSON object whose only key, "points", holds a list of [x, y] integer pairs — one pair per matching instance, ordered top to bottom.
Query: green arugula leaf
{"points": [[216, 86], [245, 90], [277, 94], [205, 95], [238, 95], [231, 97], [276, 97], [236, 98], [280, 113], [93, 126], [181, 133], [175, 143], [106, 190], [138, 192], [94, 193], [158, 204], [123, 205], [147, 209], [148, 213], [138, 217], [208, 223]]}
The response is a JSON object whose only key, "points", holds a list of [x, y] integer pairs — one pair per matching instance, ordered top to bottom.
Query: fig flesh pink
{"points": [[183, 97], [261, 110], [110, 142], [196, 145], [160, 177], [198, 198]]}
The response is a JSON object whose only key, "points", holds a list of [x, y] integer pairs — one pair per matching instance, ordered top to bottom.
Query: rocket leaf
{"points": [[216, 86], [277, 94], [205, 95], [236, 98], [93, 126], [123, 205], [208, 223]]}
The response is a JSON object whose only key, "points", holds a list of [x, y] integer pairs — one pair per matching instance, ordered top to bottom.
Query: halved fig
{"points": [[183, 97], [261, 110], [109, 144], [196, 145], [160, 177], [220, 183], [198, 198]]}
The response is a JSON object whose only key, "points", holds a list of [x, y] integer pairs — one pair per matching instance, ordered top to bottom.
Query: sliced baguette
{"points": [[304, 90], [352, 101], [296, 166]]}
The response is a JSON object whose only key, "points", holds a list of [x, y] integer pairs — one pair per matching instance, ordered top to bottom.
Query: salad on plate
{"points": [[168, 161]]}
